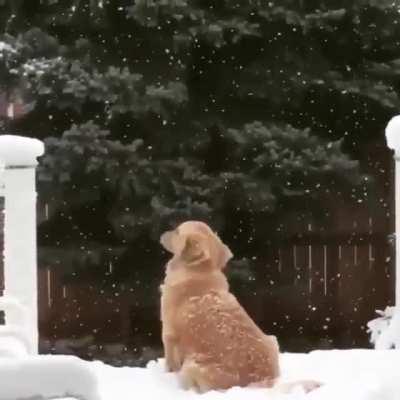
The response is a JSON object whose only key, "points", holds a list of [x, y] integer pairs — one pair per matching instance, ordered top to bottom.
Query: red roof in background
{"points": [[17, 108]]}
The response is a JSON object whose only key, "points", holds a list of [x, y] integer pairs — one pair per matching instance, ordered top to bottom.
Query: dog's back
{"points": [[218, 331]]}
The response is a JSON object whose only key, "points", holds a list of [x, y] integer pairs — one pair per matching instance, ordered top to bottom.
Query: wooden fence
{"points": [[314, 290], [310, 292], [323, 292]]}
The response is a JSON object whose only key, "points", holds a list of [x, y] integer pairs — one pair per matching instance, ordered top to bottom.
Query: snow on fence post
{"points": [[19, 156]]}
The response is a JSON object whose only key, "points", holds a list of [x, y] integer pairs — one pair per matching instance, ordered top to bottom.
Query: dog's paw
{"points": [[309, 386]]}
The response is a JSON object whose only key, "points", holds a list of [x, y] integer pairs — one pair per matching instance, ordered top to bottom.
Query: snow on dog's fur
{"points": [[208, 337]]}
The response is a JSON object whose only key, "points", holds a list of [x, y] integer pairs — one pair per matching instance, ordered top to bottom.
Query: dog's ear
{"points": [[173, 242], [192, 247], [196, 249], [224, 255]]}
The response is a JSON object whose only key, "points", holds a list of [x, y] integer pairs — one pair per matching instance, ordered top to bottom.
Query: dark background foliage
{"points": [[241, 113]]}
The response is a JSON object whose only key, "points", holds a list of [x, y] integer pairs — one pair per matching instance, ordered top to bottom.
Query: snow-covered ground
{"points": [[348, 375]]}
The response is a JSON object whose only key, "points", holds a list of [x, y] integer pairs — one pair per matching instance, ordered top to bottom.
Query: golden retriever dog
{"points": [[207, 336]]}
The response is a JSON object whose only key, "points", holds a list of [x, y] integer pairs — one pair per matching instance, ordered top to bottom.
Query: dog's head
{"points": [[196, 244]]}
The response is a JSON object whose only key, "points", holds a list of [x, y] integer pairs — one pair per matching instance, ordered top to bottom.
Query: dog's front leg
{"points": [[173, 358]]}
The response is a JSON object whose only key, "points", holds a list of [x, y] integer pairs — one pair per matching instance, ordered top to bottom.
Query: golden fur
{"points": [[207, 336]]}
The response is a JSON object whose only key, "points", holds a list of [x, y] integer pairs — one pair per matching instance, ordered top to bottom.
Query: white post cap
{"points": [[393, 134], [19, 150]]}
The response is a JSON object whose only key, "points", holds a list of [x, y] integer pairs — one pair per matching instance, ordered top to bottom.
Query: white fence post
{"points": [[393, 142], [19, 155]]}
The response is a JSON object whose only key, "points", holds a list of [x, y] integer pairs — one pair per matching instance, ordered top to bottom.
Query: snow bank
{"points": [[20, 151], [352, 374], [347, 375], [44, 377], [154, 383]]}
